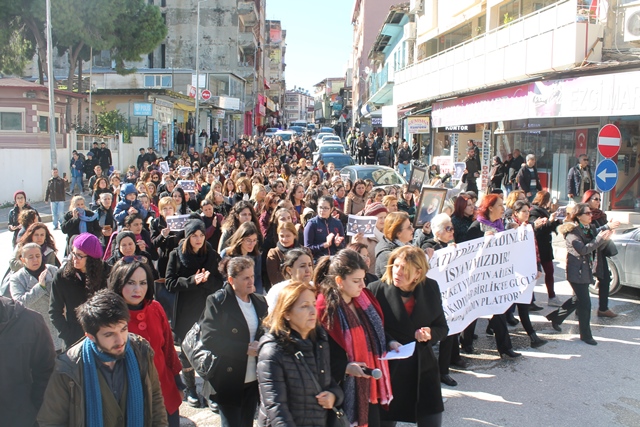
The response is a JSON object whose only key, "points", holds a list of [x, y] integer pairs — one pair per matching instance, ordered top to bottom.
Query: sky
{"points": [[319, 38]]}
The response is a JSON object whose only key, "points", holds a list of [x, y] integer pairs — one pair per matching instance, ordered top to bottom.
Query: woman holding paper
{"points": [[489, 221], [164, 239], [412, 310], [352, 318], [449, 347]]}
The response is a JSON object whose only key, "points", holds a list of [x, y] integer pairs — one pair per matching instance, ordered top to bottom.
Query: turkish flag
{"points": [[581, 141]]}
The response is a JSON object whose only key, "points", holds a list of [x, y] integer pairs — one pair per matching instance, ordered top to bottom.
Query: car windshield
{"points": [[297, 128], [272, 130], [329, 130], [284, 136], [331, 138], [332, 149], [338, 161], [381, 176]]}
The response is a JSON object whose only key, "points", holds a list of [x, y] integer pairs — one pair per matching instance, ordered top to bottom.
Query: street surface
{"points": [[564, 383]]}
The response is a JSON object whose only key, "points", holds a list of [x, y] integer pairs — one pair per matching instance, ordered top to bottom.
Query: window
{"points": [[151, 80], [11, 121], [43, 124]]}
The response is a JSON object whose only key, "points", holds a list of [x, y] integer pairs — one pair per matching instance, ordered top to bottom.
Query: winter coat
{"points": [[404, 155], [383, 158], [514, 166], [78, 170], [524, 178], [574, 180], [55, 190], [354, 204], [404, 206], [121, 210], [14, 214], [71, 226], [460, 227], [316, 232], [544, 234], [164, 245], [383, 251], [48, 257], [275, 259], [584, 259], [180, 278], [27, 291], [67, 294], [150, 322], [225, 333], [27, 356], [419, 372], [287, 392], [64, 398]]}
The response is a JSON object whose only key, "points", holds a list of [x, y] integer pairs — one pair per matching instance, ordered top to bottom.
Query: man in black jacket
{"points": [[105, 157], [404, 160], [514, 168], [472, 171], [527, 178], [55, 195], [27, 359]]}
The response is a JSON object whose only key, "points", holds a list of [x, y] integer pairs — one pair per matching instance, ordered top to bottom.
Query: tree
{"points": [[15, 47]]}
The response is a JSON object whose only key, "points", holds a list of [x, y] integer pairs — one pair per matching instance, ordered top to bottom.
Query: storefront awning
{"points": [[184, 107]]}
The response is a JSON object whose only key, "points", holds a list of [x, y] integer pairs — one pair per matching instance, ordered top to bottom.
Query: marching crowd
{"points": [[275, 307]]}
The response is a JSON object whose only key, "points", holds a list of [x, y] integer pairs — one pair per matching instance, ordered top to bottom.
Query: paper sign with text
{"points": [[485, 276]]}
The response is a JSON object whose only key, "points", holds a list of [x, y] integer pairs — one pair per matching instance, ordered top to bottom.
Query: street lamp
{"points": [[198, 71]]}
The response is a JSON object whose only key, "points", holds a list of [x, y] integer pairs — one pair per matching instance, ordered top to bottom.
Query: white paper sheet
{"points": [[404, 352]]}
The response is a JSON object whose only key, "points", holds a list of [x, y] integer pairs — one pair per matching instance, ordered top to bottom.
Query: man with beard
{"points": [[109, 377]]}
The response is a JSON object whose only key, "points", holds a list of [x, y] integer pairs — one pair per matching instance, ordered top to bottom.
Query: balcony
{"points": [[247, 12], [555, 38], [247, 41], [247, 71], [381, 86]]}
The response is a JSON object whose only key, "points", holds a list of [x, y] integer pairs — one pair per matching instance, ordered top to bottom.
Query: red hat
{"points": [[19, 192], [374, 209]]}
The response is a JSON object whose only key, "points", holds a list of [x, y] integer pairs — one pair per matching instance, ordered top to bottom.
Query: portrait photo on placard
{"points": [[417, 178], [430, 204]]}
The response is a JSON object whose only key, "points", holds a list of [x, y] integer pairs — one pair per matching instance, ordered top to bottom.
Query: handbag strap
{"points": [[300, 357]]}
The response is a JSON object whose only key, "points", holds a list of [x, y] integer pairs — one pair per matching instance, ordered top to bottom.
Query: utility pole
{"points": [[52, 99]]}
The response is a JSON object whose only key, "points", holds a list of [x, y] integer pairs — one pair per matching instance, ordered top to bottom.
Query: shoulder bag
{"points": [[200, 358], [337, 418]]}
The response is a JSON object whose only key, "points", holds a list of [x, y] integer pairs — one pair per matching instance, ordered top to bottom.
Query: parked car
{"points": [[311, 128], [327, 129], [298, 130], [270, 132], [286, 135], [319, 136], [329, 149], [339, 160], [380, 175], [625, 268]]}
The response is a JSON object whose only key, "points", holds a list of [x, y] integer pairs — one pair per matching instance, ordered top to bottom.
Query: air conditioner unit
{"points": [[632, 23]]}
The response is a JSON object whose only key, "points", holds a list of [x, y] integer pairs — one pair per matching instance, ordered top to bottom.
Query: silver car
{"points": [[625, 266]]}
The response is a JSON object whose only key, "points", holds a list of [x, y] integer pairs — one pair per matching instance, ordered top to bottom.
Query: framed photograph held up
{"points": [[418, 176], [430, 204]]}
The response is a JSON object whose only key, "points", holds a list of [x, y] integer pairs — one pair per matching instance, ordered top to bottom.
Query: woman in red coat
{"points": [[132, 279]]}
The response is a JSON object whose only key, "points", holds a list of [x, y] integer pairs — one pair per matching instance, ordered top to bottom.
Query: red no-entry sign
{"points": [[206, 94], [609, 141]]}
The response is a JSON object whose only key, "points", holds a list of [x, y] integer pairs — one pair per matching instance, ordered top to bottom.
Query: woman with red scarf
{"points": [[603, 281], [353, 320]]}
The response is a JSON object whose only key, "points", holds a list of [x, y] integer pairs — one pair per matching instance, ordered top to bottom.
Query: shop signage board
{"points": [[142, 109], [418, 124], [458, 129], [609, 139], [485, 158], [606, 175]]}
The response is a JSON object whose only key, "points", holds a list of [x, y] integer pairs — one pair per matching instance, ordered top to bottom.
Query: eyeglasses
{"points": [[324, 208], [586, 213], [448, 229], [252, 241], [78, 256], [132, 258]]}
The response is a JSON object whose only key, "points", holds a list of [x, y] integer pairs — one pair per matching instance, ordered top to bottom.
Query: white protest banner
{"points": [[485, 276]]}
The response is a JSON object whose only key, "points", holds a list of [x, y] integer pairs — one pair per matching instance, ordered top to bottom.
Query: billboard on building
{"points": [[418, 124]]}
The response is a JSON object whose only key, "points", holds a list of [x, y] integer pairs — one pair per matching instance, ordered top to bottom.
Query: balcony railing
{"points": [[247, 12], [554, 38]]}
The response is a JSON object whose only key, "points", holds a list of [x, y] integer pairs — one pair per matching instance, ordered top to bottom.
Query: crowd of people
{"points": [[295, 314]]}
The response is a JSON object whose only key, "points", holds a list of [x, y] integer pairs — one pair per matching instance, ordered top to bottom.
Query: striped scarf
{"points": [[365, 342], [93, 395]]}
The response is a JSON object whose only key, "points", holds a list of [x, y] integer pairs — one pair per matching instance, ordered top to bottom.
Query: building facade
{"points": [[275, 70], [328, 103], [296, 106]]}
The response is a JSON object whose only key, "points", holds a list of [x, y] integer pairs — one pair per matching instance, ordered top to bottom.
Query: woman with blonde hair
{"points": [[243, 189], [258, 195], [79, 220], [397, 231], [287, 240], [412, 310], [294, 368]]}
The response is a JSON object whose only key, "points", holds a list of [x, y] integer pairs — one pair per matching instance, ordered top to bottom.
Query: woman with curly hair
{"points": [[100, 186], [20, 204], [36, 233], [80, 277]]}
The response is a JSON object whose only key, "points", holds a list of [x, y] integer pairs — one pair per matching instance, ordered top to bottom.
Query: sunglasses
{"points": [[595, 200], [586, 213]]}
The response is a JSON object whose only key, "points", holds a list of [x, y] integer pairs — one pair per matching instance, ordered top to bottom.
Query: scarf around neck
{"points": [[84, 219], [497, 225], [93, 394]]}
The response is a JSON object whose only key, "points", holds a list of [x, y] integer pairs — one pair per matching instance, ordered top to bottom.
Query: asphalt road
{"points": [[564, 383]]}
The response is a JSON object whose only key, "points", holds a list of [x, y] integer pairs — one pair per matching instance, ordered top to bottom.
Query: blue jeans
{"points": [[405, 170], [76, 181], [57, 210]]}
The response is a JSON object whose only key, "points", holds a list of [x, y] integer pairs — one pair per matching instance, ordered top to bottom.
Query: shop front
{"points": [[556, 120]]}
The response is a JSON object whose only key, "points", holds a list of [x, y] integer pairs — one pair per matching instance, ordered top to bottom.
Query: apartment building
{"points": [[275, 65], [297, 104]]}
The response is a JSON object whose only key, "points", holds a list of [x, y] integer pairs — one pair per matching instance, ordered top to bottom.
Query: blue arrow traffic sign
{"points": [[606, 175]]}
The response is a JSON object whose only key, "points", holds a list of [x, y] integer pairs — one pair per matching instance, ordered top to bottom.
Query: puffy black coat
{"points": [[543, 234], [164, 245], [584, 255], [181, 271], [226, 335], [28, 357], [415, 381], [287, 392]]}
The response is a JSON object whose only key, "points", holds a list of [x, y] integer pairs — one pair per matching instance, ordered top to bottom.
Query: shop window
{"points": [[163, 81], [11, 121], [565, 121]]}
